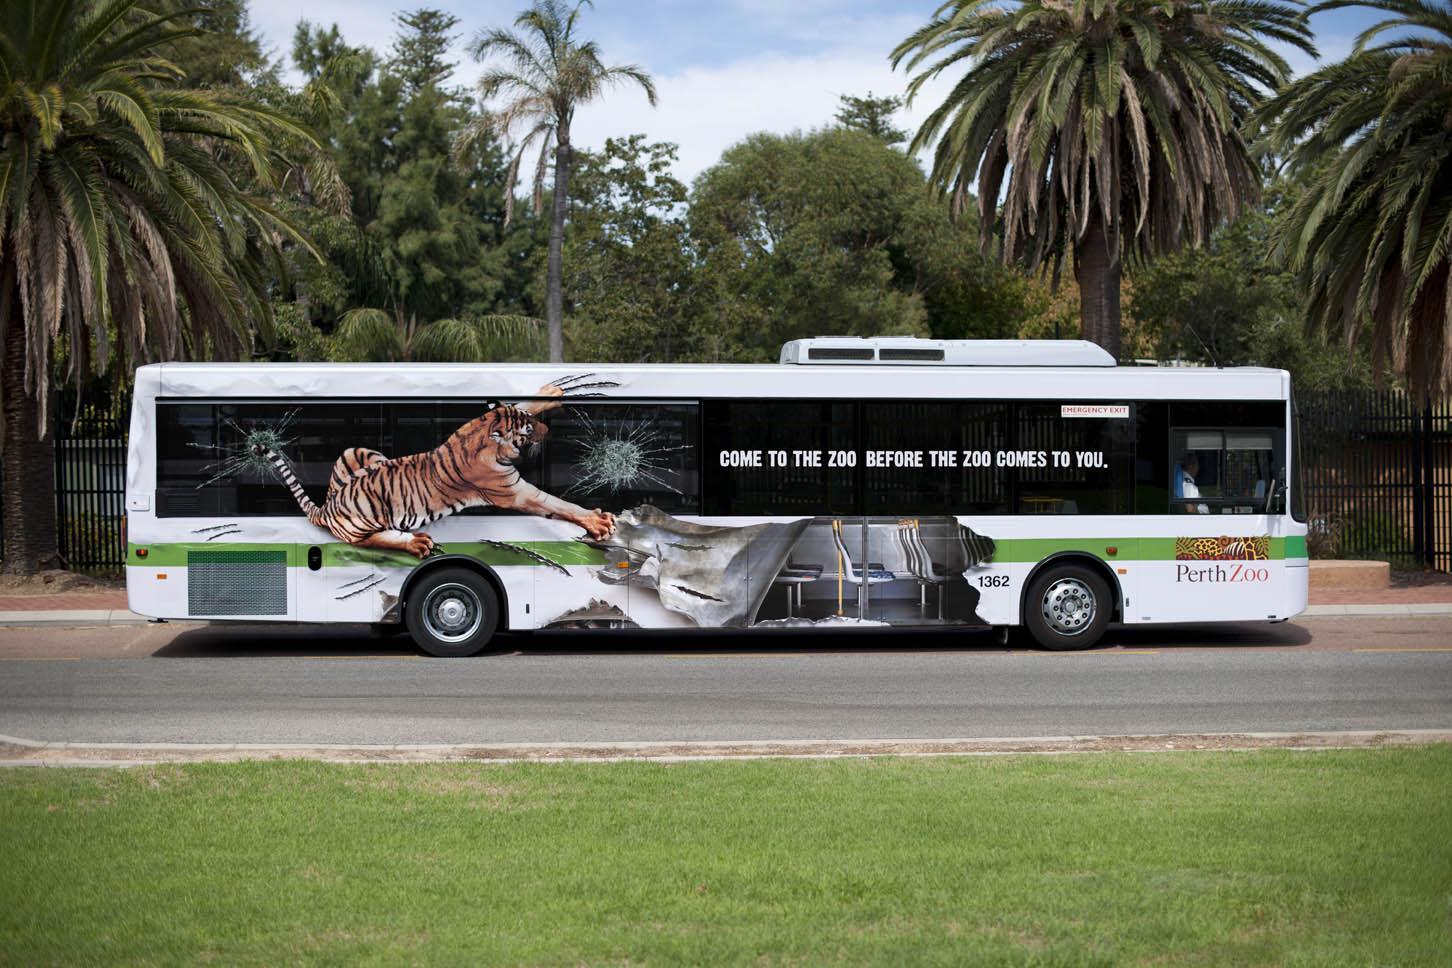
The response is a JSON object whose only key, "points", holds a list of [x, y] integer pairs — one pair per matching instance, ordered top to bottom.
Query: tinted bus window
{"points": [[950, 450], [617, 454], [621, 455], [755, 457], [1152, 457], [1071, 461], [202, 465]]}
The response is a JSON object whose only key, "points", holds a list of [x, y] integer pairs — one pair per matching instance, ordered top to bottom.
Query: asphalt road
{"points": [[259, 684]]}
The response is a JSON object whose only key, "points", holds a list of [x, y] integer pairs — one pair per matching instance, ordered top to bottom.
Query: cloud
{"points": [[798, 60], [706, 109]]}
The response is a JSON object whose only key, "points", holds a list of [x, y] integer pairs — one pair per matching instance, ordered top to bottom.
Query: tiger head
{"points": [[505, 432]]}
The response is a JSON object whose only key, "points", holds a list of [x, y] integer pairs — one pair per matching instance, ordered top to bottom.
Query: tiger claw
{"points": [[422, 546]]}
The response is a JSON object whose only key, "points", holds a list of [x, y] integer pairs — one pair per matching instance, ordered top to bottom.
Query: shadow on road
{"points": [[281, 641]]}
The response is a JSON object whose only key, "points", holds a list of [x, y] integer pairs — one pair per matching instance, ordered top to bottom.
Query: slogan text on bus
{"points": [[1086, 459]]}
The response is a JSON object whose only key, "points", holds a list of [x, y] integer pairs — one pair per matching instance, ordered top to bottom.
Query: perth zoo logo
{"points": [[1243, 553]]}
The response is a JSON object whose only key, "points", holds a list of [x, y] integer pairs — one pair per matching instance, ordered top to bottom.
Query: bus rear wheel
{"points": [[1067, 608], [452, 612]]}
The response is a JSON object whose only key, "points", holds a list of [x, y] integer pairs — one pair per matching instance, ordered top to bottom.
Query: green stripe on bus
{"points": [[1031, 550], [174, 554], [338, 554]]}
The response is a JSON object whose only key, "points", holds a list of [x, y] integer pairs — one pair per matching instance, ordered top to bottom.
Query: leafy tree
{"points": [[227, 51], [418, 53], [550, 73], [873, 115], [1110, 126], [123, 233], [801, 235], [1371, 238], [426, 240], [629, 276], [1234, 303], [1207, 304], [376, 336]]}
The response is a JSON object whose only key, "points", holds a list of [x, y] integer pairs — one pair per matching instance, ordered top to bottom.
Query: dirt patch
{"points": [[1420, 579], [56, 582], [121, 754]]}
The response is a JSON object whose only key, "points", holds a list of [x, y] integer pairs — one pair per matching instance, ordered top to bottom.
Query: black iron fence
{"points": [[1376, 470], [1376, 477], [90, 481]]}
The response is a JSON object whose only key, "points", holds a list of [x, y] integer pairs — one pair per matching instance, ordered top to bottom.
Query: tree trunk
{"points": [[1097, 268], [554, 280], [28, 466]]}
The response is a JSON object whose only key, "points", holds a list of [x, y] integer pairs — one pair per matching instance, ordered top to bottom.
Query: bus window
{"points": [[621, 455], [780, 457], [1152, 457], [1071, 464], [201, 467], [955, 470], [1232, 471]]}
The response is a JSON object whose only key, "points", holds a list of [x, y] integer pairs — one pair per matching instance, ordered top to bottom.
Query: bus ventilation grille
{"points": [[236, 582]]}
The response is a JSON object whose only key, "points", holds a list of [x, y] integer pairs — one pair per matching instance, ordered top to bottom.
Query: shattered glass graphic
{"points": [[623, 453], [247, 457]]}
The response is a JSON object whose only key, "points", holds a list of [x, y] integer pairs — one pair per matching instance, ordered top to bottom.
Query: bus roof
{"points": [[707, 381]]}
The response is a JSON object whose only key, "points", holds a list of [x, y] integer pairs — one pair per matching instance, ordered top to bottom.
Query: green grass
{"points": [[1266, 858]]}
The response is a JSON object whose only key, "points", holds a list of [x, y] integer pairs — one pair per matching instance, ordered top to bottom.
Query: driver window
{"points": [[1226, 471]]}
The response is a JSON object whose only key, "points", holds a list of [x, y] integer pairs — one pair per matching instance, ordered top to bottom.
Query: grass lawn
{"points": [[1271, 857]]}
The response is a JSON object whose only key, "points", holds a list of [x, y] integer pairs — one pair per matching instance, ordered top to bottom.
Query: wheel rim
{"points": [[1069, 606], [452, 612]]}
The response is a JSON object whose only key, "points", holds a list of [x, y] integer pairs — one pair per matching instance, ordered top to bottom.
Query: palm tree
{"points": [[550, 73], [1115, 124], [124, 232], [1371, 237], [374, 335]]}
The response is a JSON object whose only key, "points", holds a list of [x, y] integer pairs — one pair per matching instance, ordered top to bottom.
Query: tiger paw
{"points": [[598, 523], [420, 545]]}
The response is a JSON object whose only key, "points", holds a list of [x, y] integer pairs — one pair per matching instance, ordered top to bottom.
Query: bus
{"points": [[856, 483]]}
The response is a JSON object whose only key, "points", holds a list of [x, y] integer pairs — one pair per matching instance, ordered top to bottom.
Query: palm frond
{"points": [[1369, 239]]}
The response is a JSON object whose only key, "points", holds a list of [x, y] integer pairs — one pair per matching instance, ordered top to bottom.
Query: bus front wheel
{"points": [[1067, 607], [452, 613]]}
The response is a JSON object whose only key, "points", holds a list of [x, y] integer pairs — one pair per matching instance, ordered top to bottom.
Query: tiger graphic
{"points": [[375, 501], [1223, 548]]}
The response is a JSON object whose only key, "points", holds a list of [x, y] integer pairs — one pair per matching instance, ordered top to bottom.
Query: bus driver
{"points": [[1189, 469]]}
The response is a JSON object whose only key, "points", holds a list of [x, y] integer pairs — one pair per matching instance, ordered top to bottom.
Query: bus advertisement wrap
{"points": [[613, 499]]}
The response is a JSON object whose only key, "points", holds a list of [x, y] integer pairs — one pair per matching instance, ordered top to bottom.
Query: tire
{"points": [[1068, 607], [452, 613]]}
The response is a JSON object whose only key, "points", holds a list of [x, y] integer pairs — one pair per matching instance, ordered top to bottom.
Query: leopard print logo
{"points": [[1223, 548]]}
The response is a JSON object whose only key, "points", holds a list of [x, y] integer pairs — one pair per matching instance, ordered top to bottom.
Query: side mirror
{"points": [[1275, 498]]}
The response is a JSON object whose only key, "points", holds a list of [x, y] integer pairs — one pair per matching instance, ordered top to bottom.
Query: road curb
{"points": [[1396, 610], [71, 617], [19, 751]]}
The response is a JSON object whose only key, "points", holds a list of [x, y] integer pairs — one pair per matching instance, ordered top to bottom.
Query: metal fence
{"points": [[1376, 477], [90, 481]]}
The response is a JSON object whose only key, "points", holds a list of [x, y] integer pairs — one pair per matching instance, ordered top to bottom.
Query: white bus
{"points": [[860, 482]]}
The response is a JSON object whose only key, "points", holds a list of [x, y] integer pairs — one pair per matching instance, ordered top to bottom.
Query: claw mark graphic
{"points": [[583, 381], [218, 531], [532, 555], [380, 580], [356, 581]]}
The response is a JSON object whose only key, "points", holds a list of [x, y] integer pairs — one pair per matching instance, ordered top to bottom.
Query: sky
{"points": [[723, 69]]}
